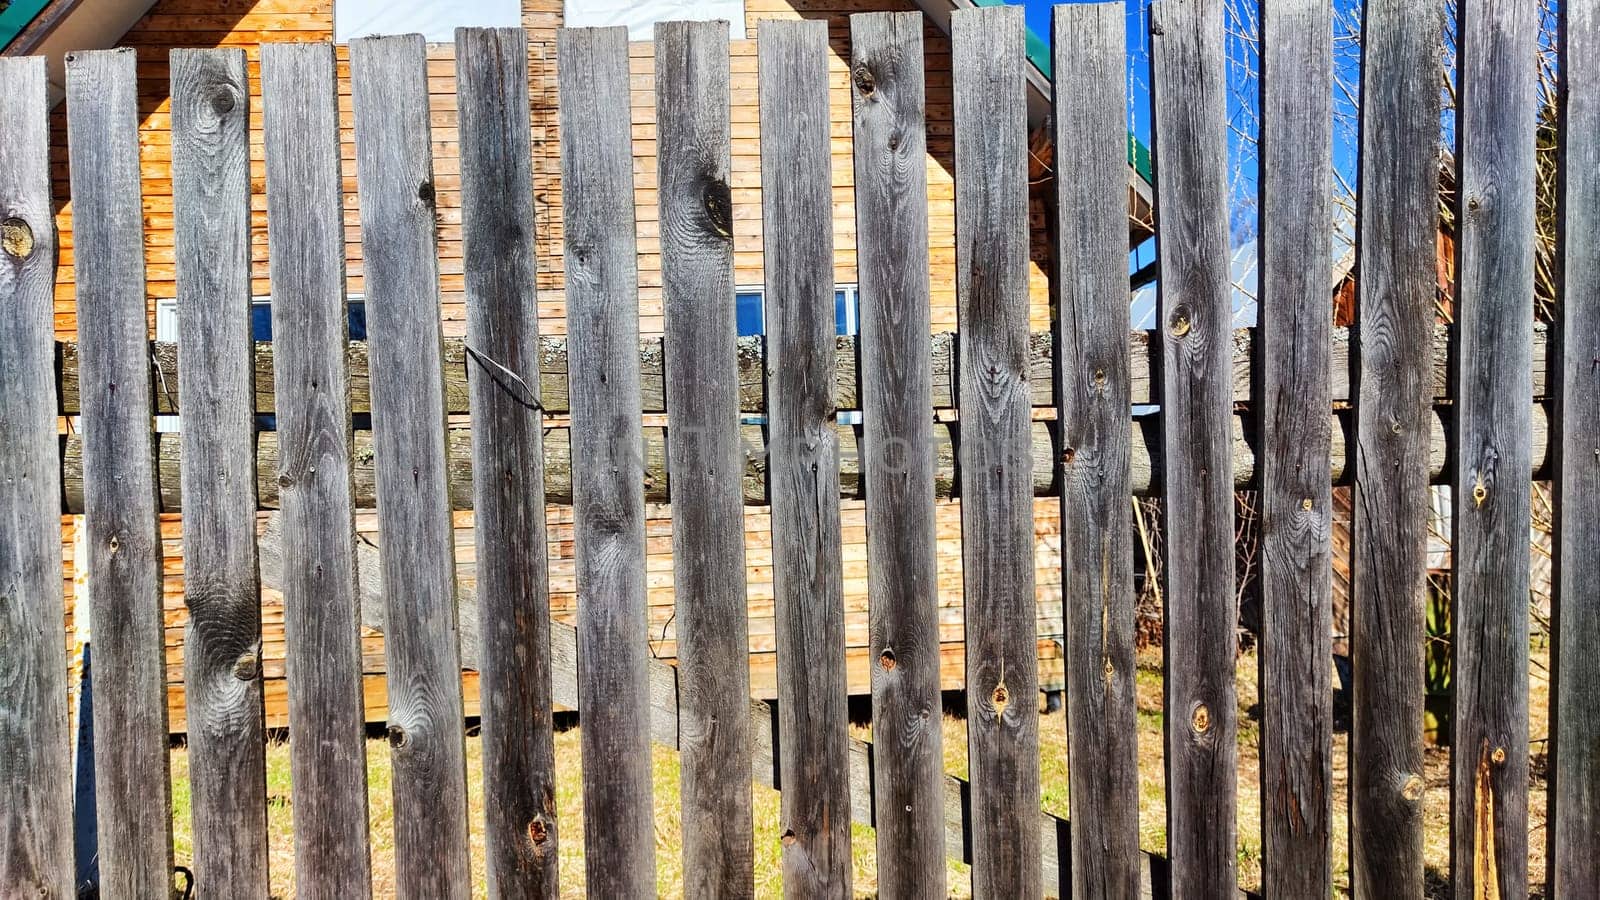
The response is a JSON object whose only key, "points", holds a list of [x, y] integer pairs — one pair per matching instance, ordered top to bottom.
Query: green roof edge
{"points": [[16, 17], [1039, 55]]}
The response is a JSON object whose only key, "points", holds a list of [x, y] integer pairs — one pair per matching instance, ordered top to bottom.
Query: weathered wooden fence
{"points": [[1292, 408]]}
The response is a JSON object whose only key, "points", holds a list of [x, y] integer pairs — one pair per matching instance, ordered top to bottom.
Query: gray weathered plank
{"points": [[1090, 47], [988, 55], [1187, 66], [1399, 222], [497, 225], [398, 238], [1296, 261], [1494, 296], [1144, 370], [896, 378], [703, 454], [803, 463], [608, 495], [222, 641], [328, 753], [35, 760], [133, 795], [1573, 856]]}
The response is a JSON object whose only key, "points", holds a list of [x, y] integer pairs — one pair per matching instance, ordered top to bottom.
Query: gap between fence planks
{"points": [[988, 53], [1495, 137], [395, 169], [1399, 221], [498, 228], [1142, 348], [897, 384], [1093, 389], [703, 450], [803, 466], [608, 494], [1296, 575], [321, 606], [222, 640], [133, 791], [36, 856], [1573, 864]]}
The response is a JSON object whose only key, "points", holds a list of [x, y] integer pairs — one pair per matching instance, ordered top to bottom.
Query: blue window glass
{"points": [[748, 313]]}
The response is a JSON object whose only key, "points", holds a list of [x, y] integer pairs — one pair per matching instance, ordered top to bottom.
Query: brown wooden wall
{"points": [[248, 23]]}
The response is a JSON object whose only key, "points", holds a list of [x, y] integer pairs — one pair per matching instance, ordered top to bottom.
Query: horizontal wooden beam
{"points": [[460, 361], [1145, 462]]}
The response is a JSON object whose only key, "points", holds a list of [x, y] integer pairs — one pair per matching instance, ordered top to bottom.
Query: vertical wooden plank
{"points": [[988, 53], [1187, 64], [886, 70], [1398, 226], [1294, 341], [1493, 372], [216, 378], [1093, 390], [703, 455], [607, 460], [803, 460], [507, 461], [417, 550], [321, 608], [35, 752], [133, 794], [1574, 803]]}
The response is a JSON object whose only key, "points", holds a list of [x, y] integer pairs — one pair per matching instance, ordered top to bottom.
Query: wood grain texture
{"points": [[1090, 47], [988, 55], [395, 171], [1398, 223], [892, 251], [1296, 262], [1494, 295], [1196, 301], [703, 454], [803, 460], [508, 461], [608, 472], [222, 641], [328, 753], [35, 759], [132, 788], [1573, 857]]}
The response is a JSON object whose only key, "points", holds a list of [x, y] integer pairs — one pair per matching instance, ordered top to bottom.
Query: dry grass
{"points": [[1053, 790]]}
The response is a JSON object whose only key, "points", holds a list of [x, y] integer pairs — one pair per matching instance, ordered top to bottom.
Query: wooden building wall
{"points": [[248, 23]]}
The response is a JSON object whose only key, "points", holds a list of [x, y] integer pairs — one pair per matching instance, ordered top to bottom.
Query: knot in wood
{"points": [[864, 81], [718, 200], [16, 238], [1179, 326], [886, 659], [244, 668], [1001, 699], [1200, 721], [398, 737], [1498, 757], [1412, 789], [538, 831], [788, 838]]}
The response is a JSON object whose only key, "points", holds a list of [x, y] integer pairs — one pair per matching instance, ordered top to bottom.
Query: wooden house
{"points": [[57, 26]]}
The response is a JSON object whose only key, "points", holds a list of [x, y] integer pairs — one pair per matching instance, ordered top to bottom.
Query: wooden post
{"points": [[988, 53], [1187, 65], [395, 169], [1399, 222], [1296, 263], [1493, 372], [1092, 386], [896, 398], [703, 453], [508, 462], [803, 465], [607, 470], [321, 606], [222, 643], [35, 748], [133, 793], [1574, 864]]}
